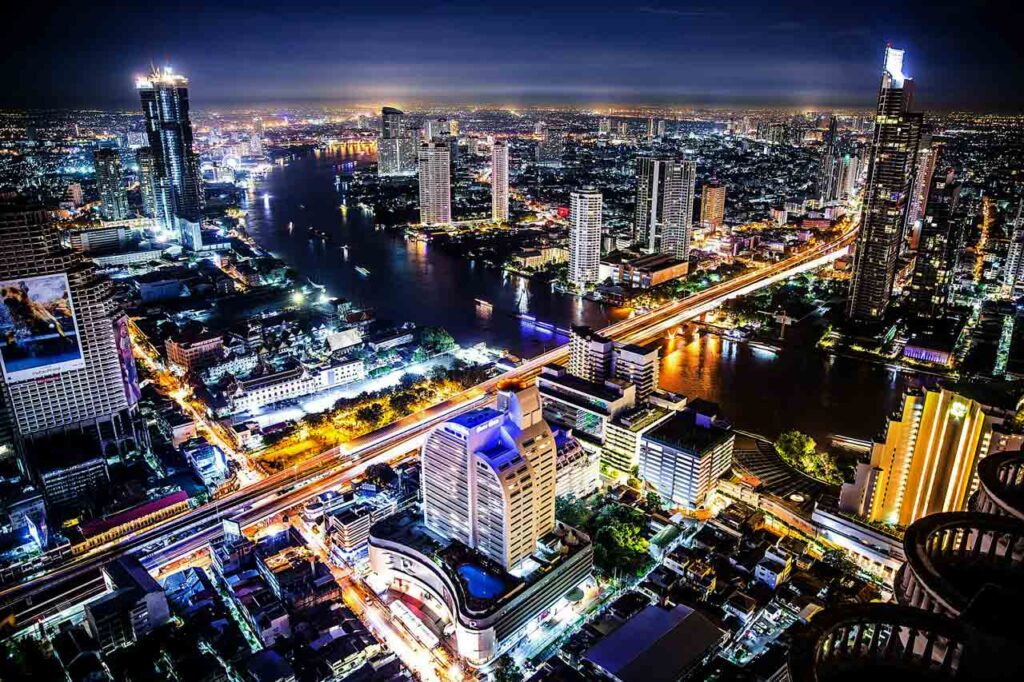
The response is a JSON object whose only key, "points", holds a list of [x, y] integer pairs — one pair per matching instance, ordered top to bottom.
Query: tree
{"points": [[436, 340], [371, 414], [799, 451], [381, 474], [572, 512], [506, 670]]}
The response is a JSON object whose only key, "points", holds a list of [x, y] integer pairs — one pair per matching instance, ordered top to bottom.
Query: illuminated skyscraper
{"points": [[604, 126], [652, 128], [256, 137], [552, 144], [396, 146], [830, 165], [109, 181], [499, 181], [176, 183], [435, 183], [887, 193], [712, 205], [663, 217], [585, 219], [936, 247], [1013, 272], [73, 368], [925, 460], [488, 478]]}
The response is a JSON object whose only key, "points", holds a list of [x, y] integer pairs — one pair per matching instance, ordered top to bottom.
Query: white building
{"points": [[499, 181], [435, 183], [663, 217], [584, 237], [294, 382], [579, 468], [488, 478]]}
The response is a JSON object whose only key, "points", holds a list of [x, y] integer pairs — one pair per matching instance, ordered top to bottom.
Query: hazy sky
{"points": [[964, 54]]}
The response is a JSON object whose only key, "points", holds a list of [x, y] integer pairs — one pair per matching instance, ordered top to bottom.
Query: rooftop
{"points": [[687, 431]]}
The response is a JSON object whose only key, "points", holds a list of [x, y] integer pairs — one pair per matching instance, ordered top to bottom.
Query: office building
{"points": [[396, 146], [894, 148], [499, 181], [110, 183], [435, 183], [178, 194], [712, 205], [663, 216], [585, 221], [936, 247], [1013, 271], [638, 365], [83, 378], [582, 406], [623, 435], [684, 456], [925, 460], [488, 478]]}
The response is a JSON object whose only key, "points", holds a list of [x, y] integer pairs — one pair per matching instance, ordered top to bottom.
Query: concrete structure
{"points": [[396, 145], [499, 181], [110, 183], [435, 183], [888, 192], [712, 205], [663, 217], [585, 220], [643, 272], [195, 349], [590, 354], [638, 365], [583, 406], [624, 434], [684, 456], [925, 460], [488, 478], [134, 606]]}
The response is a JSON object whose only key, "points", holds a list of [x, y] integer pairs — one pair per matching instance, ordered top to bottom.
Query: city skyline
{"points": [[794, 54]]}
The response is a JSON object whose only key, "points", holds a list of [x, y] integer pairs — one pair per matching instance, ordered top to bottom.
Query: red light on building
{"points": [[563, 211]]}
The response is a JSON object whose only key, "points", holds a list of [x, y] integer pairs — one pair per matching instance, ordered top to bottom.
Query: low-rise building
{"points": [[134, 606]]}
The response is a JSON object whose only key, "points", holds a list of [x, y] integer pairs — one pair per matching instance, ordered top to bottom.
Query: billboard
{"points": [[38, 329], [129, 374]]}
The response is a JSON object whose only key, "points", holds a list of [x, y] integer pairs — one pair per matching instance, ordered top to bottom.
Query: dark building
{"points": [[831, 165], [110, 184], [887, 192], [177, 194], [933, 269]]}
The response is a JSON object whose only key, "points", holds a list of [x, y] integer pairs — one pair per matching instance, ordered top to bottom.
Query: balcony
{"points": [[1000, 485], [952, 555], [887, 640]]}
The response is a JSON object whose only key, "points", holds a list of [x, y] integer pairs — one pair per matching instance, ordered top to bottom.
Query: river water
{"points": [[757, 390]]}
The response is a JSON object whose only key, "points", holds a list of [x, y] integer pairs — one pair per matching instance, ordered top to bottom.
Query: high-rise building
{"points": [[604, 126], [623, 128], [652, 128], [661, 128], [256, 137], [552, 144], [396, 146], [927, 157], [830, 165], [849, 171], [109, 181], [176, 181], [499, 181], [147, 182], [435, 183], [887, 194], [712, 205], [663, 216], [585, 220], [933, 267], [1013, 272], [590, 354], [638, 365], [72, 367], [685, 455], [925, 460], [488, 478]]}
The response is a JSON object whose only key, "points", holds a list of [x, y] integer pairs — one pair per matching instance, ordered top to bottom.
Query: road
{"points": [[184, 533]]}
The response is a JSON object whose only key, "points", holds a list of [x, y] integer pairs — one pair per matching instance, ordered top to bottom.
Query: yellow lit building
{"points": [[925, 459]]}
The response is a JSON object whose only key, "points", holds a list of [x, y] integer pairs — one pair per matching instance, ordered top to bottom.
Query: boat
{"points": [[362, 271]]}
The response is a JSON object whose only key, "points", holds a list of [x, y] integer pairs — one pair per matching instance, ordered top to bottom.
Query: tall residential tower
{"points": [[499, 181], [435, 183], [584, 237]]}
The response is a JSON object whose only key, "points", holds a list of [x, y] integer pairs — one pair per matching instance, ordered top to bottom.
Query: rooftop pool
{"points": [[479, 583]]}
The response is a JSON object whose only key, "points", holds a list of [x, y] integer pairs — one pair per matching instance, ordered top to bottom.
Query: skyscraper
{"points": [[604, 126], [652, 128], [256, 137], [552, 144], [396, 146], [830, 165], [109, 181], [499, 181], [147, 182], [176, 182], [435, 183], [887, 194], [712, 205], [663, 216], [584, 237], [933, 267], [1013, 271], [73, 368], [488, 478]]}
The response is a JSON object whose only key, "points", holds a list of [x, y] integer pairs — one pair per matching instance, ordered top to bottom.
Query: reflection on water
{"points": [[757, 389]]}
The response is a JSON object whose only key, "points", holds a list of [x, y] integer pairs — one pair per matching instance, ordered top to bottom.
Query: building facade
{"points": [[499, 181], [110, 183], [435, 183], [585, 219], [936, 247]]}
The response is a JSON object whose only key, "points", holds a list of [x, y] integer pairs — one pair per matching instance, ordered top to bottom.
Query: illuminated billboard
{"points": [[38, 329], [129, 374]]}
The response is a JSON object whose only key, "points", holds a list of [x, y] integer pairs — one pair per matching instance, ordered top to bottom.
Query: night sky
{"points": [[967, 54]]}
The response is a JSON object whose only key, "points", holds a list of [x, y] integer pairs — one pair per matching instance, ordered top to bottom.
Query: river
{"points": [[757, 390]]}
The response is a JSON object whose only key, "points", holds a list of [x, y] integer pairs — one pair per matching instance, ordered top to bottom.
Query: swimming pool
{"points": [[479, 583]]}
